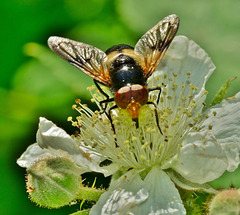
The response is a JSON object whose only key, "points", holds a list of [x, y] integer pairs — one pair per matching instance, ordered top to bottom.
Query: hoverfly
{"points": [[122, 68]]}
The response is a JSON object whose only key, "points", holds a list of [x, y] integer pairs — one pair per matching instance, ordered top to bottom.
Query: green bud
{"points": [[53, 182], [226, 202]]}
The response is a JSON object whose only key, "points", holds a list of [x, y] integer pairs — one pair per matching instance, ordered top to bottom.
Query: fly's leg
{"points": [[156, 88], [107, 100], [104, 104], [156, 115], [111, 121], [137, 122]]}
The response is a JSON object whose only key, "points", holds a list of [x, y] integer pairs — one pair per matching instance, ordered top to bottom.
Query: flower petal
{"points": [[184, 56], [225, 126], [56, 141], [32, 153], [208, 153], [201, 158], [156, 194]]}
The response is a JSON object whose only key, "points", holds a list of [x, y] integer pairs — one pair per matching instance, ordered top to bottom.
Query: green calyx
{"points": [[53, 182]]}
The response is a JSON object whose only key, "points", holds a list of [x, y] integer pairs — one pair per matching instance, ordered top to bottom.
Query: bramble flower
{"points": [[196, 147]]}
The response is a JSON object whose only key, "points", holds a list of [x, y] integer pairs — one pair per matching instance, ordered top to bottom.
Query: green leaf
{"points": [[222, 92], [53, 182], [83, 212]]}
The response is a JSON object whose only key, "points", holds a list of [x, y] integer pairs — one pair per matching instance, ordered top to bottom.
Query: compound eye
{"points": [[123, 97]]}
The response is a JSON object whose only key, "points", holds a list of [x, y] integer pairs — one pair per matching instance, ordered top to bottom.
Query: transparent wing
{"points": [[154, 43], [85, 57]]}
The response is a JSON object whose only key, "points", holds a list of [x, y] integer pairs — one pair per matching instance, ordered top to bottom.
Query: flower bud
{"points": [[53, 181], [226, 202]]}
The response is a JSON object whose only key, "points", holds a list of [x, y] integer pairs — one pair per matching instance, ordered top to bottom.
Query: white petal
{"points": [[184, 55], [226, 128], [56, 141], [32, 153], [207, 154], [201, 158], [155, 195]]}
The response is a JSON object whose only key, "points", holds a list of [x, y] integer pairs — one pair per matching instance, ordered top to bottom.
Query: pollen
{"points": [[191, 86], [91, 88], [190, 96], [99, 98], [184, 98], [78, 101], [69, 119], [195, 119], [75, 124], [148, 130], [153, 130], [134, 138], [127, 146], [102, 147], [120, 155]]}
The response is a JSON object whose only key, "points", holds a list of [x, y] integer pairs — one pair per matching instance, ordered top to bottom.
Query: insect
{"points": [[122, 68]]}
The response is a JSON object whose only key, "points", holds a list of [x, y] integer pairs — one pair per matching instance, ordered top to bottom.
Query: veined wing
{"points": [[154, 43], [85, 57]]}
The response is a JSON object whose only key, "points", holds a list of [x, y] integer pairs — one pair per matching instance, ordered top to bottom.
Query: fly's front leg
{"points": [[107, 100], [104, 104]]}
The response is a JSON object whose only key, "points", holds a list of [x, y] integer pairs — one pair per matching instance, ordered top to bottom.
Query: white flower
{"points": [[196, 146]]}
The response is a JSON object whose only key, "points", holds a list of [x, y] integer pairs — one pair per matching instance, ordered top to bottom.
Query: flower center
{"points": [[178, 110]]}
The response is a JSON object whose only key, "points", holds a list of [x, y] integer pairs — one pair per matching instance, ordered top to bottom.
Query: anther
{"points": [[78, 101]]}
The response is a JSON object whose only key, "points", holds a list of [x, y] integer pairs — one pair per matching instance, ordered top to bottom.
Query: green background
{"points": [[34, 82]]}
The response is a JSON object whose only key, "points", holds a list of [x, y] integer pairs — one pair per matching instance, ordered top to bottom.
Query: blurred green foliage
{"points": [[34, 82]]}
